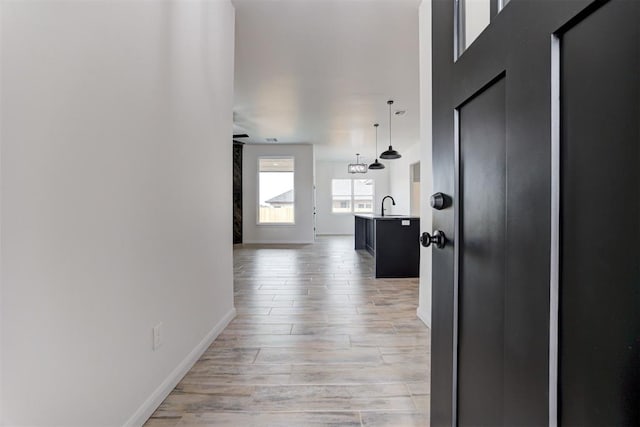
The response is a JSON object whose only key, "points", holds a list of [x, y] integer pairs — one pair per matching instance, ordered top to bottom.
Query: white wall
{"points": [[426, 170], [400, 179], [116, 194], [331, 223], [302, 230]]}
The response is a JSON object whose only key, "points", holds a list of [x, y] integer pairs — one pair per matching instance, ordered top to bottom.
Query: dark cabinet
{"points": [[392, 241]]}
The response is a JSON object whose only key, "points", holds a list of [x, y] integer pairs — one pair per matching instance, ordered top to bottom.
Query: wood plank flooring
{"points": [[317, 342]]}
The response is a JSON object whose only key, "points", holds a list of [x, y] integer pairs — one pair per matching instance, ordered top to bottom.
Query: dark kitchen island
{"points": [[393, 241]]}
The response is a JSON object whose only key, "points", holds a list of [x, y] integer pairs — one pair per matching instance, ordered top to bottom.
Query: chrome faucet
{"points": [[383, 199]]}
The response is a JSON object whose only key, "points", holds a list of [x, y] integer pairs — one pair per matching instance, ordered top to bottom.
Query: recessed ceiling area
{"points": [[321, 72]]}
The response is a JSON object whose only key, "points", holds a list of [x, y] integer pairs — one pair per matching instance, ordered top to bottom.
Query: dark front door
{"points": [[536, 136], [600, 218], [481, 283]]}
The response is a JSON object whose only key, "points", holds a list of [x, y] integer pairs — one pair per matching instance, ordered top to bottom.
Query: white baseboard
{"points": [[424, 316], [157, 397]]}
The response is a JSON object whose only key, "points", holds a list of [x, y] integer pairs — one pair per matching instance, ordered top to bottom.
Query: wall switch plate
{"points": [[157, 336]]}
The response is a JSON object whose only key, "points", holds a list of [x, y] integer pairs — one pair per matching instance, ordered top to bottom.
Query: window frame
{"points": [[352, 196], [275, 224]]}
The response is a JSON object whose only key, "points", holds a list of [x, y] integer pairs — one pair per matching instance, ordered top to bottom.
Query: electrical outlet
{"points": [[157, 336]]}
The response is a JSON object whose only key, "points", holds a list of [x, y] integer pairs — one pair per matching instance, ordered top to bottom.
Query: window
{"points": [[472, 18], [276, 195], [341, 195], [352, 195]]}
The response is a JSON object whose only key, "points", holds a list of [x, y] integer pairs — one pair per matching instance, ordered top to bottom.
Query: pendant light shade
{"points": [[390, 153], [376, 164], [357, 167]]}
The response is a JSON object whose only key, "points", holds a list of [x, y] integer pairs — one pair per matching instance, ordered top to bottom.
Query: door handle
{"points": [[438, 239]]}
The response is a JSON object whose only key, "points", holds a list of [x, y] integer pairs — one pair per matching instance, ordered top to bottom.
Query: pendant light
{"points": [[390, 153], [376, 164], [357, 167]]}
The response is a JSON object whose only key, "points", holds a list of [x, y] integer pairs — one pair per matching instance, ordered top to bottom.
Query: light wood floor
{"points": [[317, 341]]}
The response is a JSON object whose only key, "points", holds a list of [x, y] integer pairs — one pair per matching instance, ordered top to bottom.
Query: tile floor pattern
{"points": [[317, 342]]}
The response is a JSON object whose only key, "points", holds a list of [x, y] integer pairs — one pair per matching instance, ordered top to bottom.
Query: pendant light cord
{"points": [[390, 124], [376, 126]]}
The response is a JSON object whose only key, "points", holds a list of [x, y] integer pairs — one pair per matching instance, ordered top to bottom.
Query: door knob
{"points": [[438, 239]]}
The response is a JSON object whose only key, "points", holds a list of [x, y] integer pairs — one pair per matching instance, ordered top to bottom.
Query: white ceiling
{"points": [[321, 72]]}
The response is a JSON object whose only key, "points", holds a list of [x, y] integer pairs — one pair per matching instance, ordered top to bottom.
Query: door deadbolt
{"points": [[439, 201], [438, 239]]}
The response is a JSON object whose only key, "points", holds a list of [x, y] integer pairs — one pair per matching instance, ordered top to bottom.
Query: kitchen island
{"points": [[393, 241]]}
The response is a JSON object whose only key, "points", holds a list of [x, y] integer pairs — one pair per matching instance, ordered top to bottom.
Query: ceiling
{"points": [[321, 72]]}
